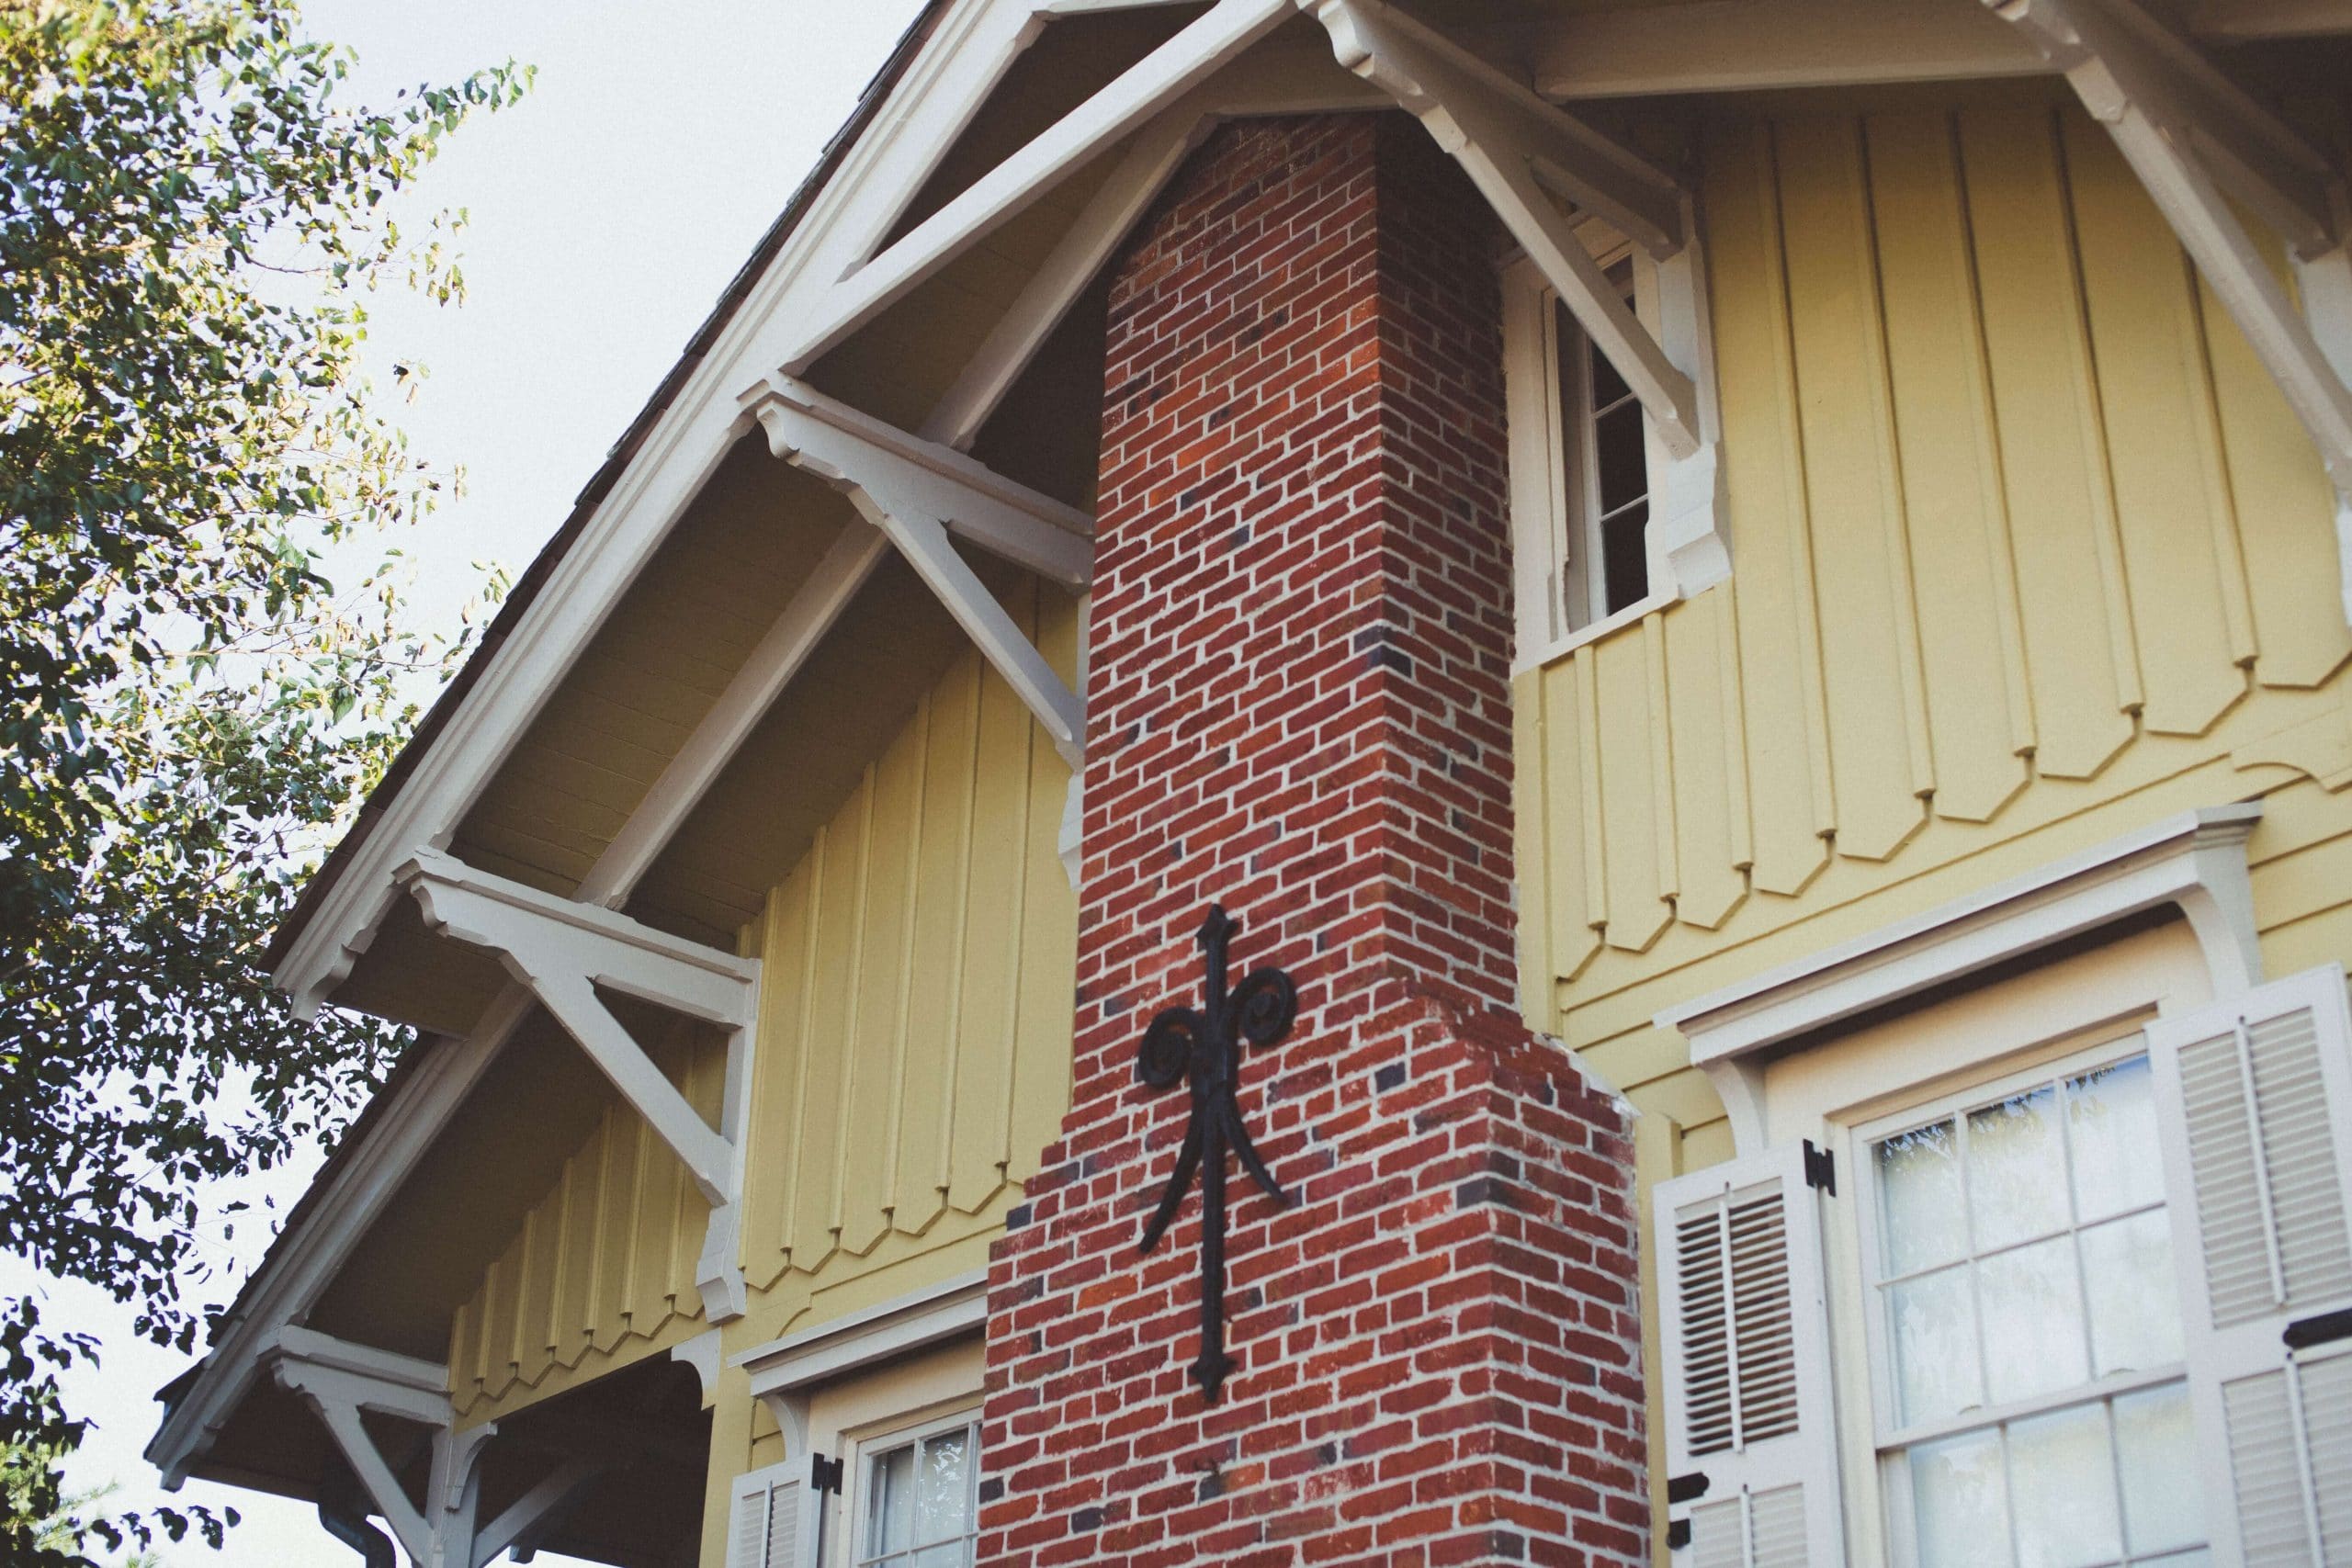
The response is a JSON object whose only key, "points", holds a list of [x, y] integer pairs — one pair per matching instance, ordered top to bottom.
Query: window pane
{"points": [[1617, 452], [1624, 555], [2111, 1117], [2016, 1170], [1919, 1206], [2134, 1304], [2033, 1322], [1935, 1346], [2156, 1448], [2063, 1486], [942, 1496], [1959, 1502], [890, 1527], [955, 1555]]}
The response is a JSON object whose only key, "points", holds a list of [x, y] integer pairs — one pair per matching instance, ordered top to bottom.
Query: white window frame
{"points": [[1551, 507], [1863, 1290], [859, 1490]]}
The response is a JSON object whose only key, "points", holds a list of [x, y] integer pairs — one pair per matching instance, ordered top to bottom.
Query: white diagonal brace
{"points": [[1415, 61], [2122, 61], [1277, 79], [1129, 100], [2147, 100], [1461, 113], [1160, 149], [845, 445], [916, 491], [923, 541], [811, 613], [563, 950], [338, 1381], [567, 1482]]}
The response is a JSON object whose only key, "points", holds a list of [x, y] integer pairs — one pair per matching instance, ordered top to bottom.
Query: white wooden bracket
{"points": [[2199, 143], [1519, 150], [919, 492], [564, 951], [340, 1382]]}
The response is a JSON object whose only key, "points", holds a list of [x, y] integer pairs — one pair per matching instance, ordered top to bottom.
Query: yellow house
{"points": [[1746, 602]]}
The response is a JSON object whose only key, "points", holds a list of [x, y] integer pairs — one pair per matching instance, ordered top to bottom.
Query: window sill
{"points": [[1596, 631]]}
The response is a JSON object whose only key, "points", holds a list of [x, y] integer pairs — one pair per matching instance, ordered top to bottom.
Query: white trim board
{"points": [[2196, 861], [948, 1310], [785, 1372]]}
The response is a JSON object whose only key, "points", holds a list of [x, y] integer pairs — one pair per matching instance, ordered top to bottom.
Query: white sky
{"points": [[609, 211]]}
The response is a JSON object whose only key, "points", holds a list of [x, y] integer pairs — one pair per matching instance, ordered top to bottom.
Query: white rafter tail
{"points": [[1424, 70], [1139, 94], [1160, 149], [849, 449], [924, 540], [811, 614], [541, 1504]]}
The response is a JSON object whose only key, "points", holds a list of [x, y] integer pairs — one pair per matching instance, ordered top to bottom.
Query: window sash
{"points": [[1577, 527], [1890, 1432], [866, 1548]]}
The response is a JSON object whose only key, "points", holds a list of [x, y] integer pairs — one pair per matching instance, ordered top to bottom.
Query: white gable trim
{"points": [[974, 43], [2196, 861]]}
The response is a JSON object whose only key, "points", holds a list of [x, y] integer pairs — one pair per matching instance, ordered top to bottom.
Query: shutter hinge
{"points": [[1820, 1168], [824, 1475], [1687, 1488], [1677, 1534]]}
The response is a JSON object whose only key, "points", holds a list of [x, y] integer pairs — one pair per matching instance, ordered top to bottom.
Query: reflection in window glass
{"points": [[2024, 1257], [920, 1509]]}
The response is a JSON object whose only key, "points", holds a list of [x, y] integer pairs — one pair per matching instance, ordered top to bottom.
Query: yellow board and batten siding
{"points": [[2027, 551], [911, 1059]]}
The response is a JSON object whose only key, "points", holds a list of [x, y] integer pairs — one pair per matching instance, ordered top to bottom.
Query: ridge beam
{"points": [[1128, 100], [1487, 127], [563, 950]]}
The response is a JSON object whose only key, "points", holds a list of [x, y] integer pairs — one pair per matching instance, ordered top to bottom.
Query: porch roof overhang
{"points": [[867, 245]]}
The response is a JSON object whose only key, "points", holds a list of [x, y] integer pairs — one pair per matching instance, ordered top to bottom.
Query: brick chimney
{"points": [[1299, 708]]}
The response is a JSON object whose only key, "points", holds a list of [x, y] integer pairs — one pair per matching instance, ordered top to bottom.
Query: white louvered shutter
{"points": [[2256, 1097], [1747, 1393], [774, 1520]]}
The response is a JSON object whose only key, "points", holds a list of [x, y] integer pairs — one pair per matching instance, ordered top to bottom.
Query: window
{"points": [[1604, 517], [2032, 1402], [918, 1497]]}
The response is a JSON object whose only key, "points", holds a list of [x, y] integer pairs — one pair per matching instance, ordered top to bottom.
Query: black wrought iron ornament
{"points": [[1205, 1046]]}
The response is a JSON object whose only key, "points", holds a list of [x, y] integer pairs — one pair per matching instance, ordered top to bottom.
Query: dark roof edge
{"points": [[528, 587]]}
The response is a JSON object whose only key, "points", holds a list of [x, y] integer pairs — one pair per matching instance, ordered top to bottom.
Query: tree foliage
{"points": [[191, 219]]}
